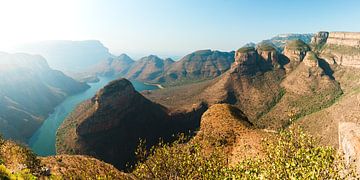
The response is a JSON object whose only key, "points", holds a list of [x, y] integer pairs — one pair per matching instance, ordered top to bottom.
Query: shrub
{"points": [[292, 155]]}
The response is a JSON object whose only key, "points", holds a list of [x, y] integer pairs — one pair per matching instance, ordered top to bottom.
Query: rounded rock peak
{"points": [[296, 45], [265, 47], [115, 87]]}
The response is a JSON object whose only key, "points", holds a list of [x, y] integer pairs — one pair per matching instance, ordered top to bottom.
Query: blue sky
{"points": [[172, 27]]}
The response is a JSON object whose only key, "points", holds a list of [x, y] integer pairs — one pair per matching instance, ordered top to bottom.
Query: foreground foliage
{"points": [[293, 155]]}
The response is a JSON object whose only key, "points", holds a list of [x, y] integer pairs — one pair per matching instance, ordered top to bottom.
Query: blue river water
{"points": [[43, 140]]}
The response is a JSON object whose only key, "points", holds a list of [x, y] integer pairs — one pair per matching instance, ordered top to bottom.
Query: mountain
{"points": [[280, 40], [68, 55], [199, 65], [194, 67], [148, 68], [313, 85], [260, 86], [29, 91], [109, 125]]}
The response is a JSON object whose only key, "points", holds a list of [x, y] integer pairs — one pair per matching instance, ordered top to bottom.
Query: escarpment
{"points": [[342, 48]]}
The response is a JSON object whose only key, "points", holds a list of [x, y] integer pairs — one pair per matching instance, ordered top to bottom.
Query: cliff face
{"points": [[344, 38], [342, 48], [29, 90], [109, 125]]}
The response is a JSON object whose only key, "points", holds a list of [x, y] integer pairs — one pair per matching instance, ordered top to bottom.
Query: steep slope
{"points": [[340, 49], [68, 55], [199, 65], [148, 68], [259, 86], [29, 90], [109, 125], [226, 127]]}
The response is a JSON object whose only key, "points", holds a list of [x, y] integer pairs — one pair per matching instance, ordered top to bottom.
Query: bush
{"points": [[292, 155]]}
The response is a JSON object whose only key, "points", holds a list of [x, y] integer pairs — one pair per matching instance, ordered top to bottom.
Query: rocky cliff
{"points": [[342, 48], [29, 91]]}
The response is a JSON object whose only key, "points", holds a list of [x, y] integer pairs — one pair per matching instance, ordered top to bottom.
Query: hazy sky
{"points": [[170, 27]]}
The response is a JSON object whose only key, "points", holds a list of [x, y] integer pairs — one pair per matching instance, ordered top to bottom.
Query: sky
{"points": [[170, 27]]}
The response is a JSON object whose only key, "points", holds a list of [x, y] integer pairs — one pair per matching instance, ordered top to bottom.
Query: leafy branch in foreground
{"points": [[292, 155]]}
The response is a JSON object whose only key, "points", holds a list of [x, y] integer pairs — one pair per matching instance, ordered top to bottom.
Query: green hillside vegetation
{"points": [[298, 45], [265, 47], [245, 49], [293, 155]]}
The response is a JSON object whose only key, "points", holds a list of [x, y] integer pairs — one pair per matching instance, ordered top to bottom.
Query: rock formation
{"points": [[320, 38], [109, 125]]}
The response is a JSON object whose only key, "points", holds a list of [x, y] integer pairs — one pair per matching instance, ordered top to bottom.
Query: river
{"points": [[43, 140]]}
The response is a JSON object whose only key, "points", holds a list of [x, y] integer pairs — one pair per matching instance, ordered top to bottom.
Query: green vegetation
{"points": [[297, 45], [266, 47], [245, 49], [11, 153], [292, 155]]}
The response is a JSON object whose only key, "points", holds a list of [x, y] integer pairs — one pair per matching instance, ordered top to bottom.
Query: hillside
{"points": [[197, 66], [148, 68], [266, 89], [29, 90], [119, 112]]}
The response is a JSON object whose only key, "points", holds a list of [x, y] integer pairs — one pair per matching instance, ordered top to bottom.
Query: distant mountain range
{"points": [[67, 56], [29, 91]]}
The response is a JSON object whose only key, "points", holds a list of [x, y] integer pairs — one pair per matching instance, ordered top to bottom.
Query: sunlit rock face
{"points": [[342, 48], [349, 143]]}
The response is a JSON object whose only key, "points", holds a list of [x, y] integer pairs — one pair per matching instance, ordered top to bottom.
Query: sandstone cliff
{"points": [[342, 48]]}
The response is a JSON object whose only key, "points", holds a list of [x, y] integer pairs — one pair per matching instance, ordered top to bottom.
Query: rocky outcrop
{"points": [[320, 38], [295, 50], [311, 59], [109, 125], [349, 143]]}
